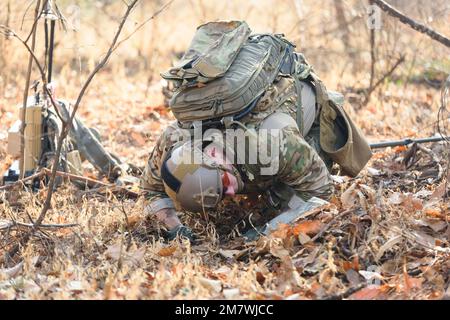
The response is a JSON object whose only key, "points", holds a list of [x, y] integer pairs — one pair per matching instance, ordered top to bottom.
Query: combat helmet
{"points": [[193, 180]]}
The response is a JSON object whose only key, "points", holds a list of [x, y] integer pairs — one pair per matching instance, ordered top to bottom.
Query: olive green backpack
{"points": [[224, 71]]}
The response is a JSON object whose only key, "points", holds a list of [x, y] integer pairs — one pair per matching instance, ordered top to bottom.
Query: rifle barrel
{"points": [[404, 142]]}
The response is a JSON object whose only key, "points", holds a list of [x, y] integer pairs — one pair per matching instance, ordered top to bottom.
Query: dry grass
{"points": [[398, 225]]}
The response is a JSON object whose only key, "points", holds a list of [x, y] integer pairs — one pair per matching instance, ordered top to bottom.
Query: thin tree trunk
{"points": [[342, 22], [372, 58], [23, 112]]}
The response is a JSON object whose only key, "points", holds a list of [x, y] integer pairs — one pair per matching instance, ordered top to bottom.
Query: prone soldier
{"points": [[193, 167]]}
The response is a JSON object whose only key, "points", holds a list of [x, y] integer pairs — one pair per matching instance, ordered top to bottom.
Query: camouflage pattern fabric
{"points": [[211, 52], [301, 170], [151, 182]]}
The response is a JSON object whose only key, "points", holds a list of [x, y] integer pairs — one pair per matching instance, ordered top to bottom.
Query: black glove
{"points": [[182, 231]]}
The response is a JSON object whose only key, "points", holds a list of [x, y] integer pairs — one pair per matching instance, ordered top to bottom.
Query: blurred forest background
{"points": [[125, 102]]}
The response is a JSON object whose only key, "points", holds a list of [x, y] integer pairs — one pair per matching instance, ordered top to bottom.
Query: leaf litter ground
{"points": [[385, 234]]}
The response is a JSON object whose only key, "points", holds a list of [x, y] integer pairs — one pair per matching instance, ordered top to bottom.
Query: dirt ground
{"points": [[385, 234]]}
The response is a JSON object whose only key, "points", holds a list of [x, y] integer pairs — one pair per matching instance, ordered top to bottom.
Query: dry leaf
{"points": [[155, 126], [138, 138], [399, 149], [373, 171], [439, 192], [349, 197], [396, 198], [406, 200], [412, 203], [434, 213], [133, 219], [4, 224], [435, 225], [310, 227], [283, 231], [303, 238], [424, 239], [387, 246], [277, 249], [114, 251], [117, 251], [167, 251], [228, 254], [137, 257], [351, 265], [13, 271], [222, 271], [370, 275], [353, 277], [260, 278], [409, 282], [415, 283], [215, 285], [75, 286], [108, 289], [369, 293], [231, 294]]}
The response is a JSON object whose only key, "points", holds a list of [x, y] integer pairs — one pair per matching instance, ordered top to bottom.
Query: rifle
{"points": [[43, 124], [405, 142]]}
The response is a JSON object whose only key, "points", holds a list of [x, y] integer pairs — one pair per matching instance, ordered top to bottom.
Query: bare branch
{"points": [[25, 14], [144, 23], [413, 24], [8, 32], [380, 81], [68, 124], [78, 178], [22, 181], [9, 224]]}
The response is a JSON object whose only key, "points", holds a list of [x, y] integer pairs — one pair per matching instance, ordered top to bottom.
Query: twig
{"points": [[25, 13], [143, 24], [413, 24], [343, 25], [9, 32], [372, 55], [372, 58], [381, 80], [68, 124], [441, 127], [65, 130], [434, 158], [45, 171], [77, 177], [22, 181], [103, 186], [113, 189], [127, 223], [8, 224], [325, 228], [414, 239], [347, 292]]}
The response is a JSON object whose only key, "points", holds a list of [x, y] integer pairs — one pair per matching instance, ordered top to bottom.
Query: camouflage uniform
{"points": [[302, 166]]}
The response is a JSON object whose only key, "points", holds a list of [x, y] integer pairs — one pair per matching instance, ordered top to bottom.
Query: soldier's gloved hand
{"points": [[182, 231]]}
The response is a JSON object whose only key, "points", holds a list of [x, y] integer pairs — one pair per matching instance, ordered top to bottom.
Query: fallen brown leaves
{"points": [[378, 239], [391, 243], [167, 251]]}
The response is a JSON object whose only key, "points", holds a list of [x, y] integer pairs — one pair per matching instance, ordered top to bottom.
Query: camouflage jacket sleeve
{"points": [[301, 168], [152, 187]]}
